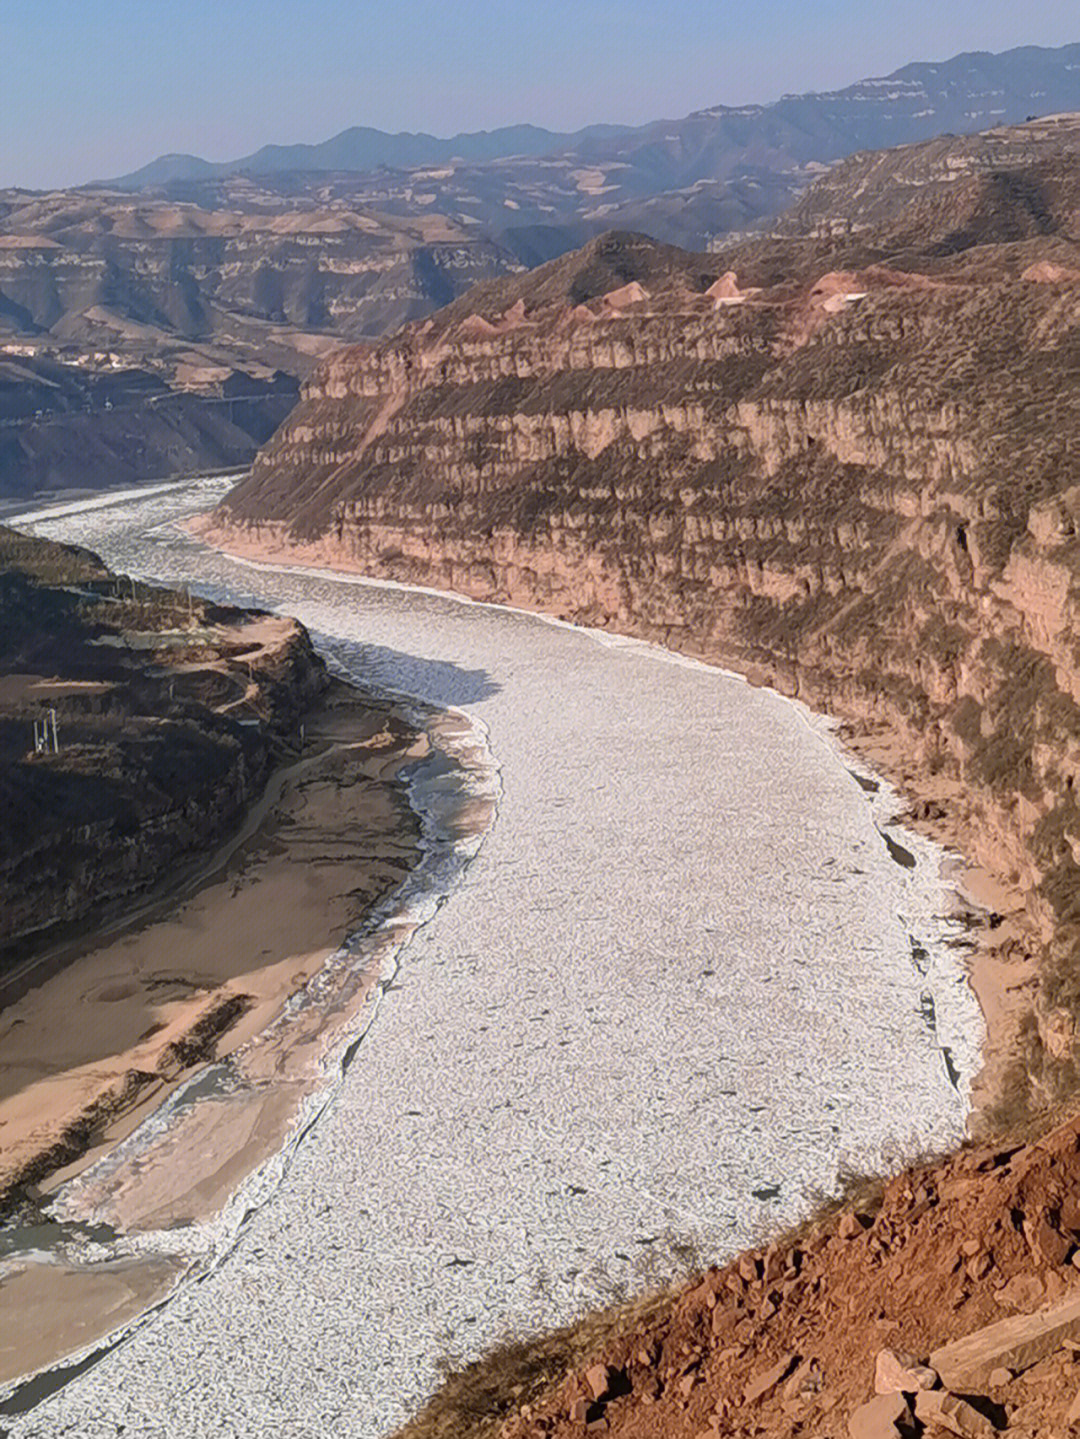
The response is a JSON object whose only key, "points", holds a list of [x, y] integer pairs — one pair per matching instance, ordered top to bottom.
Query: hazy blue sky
{"points": [[96, 87]]}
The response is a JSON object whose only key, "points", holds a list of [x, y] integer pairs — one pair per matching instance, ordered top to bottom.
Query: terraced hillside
{"points": [[227, 281]]}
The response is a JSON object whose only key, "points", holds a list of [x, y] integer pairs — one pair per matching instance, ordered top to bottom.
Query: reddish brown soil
{"points": [[944, 1251]]}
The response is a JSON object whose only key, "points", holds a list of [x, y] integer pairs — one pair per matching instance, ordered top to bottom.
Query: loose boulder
{"points": [[1016, 1344], [897, 1372], [601, 1380], [763, 1384], [953, 1414], [886, 1416]]}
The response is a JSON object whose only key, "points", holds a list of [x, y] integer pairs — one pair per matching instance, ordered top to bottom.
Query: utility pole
{"points": [[46, 740]]}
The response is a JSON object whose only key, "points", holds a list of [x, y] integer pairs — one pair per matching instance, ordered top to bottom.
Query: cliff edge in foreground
{"points": [[943, 1303]]}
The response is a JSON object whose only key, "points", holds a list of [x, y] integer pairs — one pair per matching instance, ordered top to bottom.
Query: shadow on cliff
{"points": [[437, 682]]}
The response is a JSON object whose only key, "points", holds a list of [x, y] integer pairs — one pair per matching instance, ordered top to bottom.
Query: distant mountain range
{"points": [[969, 92], [361, 148], [205, 276]]}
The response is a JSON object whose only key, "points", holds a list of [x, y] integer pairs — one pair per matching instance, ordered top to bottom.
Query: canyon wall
{"points": [[250, 270], [149, 338], [70, 425], [859, 487], [170, 714]]}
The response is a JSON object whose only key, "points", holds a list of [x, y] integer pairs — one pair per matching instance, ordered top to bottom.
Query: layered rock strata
{"points": [[250, 269], [145, 339], [854, 483], [161, 717]]}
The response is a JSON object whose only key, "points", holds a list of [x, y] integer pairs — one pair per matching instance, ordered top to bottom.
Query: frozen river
{"points": [[684, 984]]}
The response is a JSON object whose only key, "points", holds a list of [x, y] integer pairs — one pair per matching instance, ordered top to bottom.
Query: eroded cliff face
{"points": [[108, 270], [148, 337], [860, 489], [169, 716]]}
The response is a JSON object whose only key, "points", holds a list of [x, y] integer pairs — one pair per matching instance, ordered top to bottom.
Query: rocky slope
{"points": [[946, 196], [257, 270], [843, 468], [169, 715], [945, 1302]]}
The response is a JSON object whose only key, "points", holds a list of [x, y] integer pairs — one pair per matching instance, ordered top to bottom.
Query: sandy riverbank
{"points": [[87, 1055]]}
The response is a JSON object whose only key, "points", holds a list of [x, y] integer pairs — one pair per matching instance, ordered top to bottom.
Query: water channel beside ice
{"points": [[681, 987]]}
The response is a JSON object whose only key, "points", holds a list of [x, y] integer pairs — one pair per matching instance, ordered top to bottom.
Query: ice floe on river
{"points": [[685, 983]]}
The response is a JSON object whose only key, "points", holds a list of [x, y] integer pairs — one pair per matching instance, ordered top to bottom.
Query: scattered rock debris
{"points": [[882, 1321]]}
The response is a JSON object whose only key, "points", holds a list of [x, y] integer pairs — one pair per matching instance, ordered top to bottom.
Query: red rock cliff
{"points": [[844, 470]]}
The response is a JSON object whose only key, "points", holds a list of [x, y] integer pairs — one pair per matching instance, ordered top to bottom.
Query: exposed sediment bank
{"points": [[192, 977], [178, 1012], [92, 1054]]}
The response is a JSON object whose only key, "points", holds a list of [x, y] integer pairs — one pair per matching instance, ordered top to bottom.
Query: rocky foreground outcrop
{"points": [[845, 466], [160, 716], [945, 1302], [942, 1303]]}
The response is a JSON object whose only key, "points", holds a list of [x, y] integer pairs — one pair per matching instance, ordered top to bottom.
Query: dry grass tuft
{"points": [[476, 1399]]}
